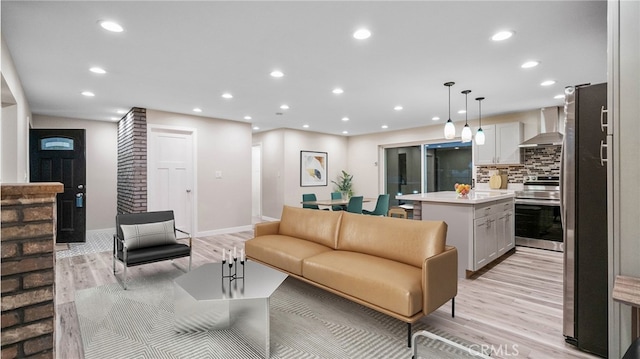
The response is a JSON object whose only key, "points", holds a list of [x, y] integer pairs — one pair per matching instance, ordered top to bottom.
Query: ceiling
{"points": [[177, 56]]}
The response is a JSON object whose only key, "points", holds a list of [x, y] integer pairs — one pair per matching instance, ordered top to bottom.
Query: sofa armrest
{"points": [[266, 228], [440, 279]]}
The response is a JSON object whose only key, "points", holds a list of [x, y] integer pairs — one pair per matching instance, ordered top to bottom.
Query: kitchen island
{"points": [[480, 226]]}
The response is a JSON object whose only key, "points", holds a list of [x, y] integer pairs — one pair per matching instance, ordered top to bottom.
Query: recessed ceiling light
{"points": [[111, 26], [362, 34], [502, 35], [530, 64], [98, 70], [276, 73], [547, 83], [337, 91], [88, 93], [227, 95], [558, 96], [284, 107], [398, 108], [197, 109], [462, 111], [121, 112], [247, 117], [435, 118], [115, 119], [345, 119], [305, 126], [384, 126], [256, 128], [345, 132]]}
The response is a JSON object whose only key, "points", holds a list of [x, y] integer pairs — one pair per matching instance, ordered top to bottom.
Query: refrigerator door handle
{"points": [[603, 125], [603, 145]]}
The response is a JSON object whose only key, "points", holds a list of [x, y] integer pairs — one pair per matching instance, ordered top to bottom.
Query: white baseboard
{"points": [[269, 219], [225, 230]]}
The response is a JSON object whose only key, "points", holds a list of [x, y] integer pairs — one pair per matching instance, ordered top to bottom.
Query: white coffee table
{"points": [[205, 301]]}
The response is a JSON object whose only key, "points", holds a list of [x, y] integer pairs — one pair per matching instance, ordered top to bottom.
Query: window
{"points": [[56, 144]]}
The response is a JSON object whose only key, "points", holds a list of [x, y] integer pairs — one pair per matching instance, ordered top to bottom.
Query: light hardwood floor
{"points": [[514, 307]]}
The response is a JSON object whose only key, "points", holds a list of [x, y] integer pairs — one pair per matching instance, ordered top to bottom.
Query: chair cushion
{"points": [[149, 234], [155, 254]]}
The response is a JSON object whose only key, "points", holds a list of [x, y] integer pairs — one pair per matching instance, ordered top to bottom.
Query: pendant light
{"points": [[449, 127], [466, 131], [480, 133]]}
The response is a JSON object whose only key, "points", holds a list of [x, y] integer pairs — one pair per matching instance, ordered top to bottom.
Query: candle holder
{"points": [[232, 272]]}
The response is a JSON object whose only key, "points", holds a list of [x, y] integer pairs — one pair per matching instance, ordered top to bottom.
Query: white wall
{"points": [[15, 126], [225, 146], [365, 158], [101, 166], [281, 166]]}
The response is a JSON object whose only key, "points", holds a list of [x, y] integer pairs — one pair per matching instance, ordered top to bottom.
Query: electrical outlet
{"points": [[218, 174]]}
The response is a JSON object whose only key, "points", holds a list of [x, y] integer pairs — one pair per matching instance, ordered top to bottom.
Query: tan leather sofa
{"points": [[399, 267]]}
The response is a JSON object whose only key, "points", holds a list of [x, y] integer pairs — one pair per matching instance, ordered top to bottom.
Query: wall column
{"points": [[132, 162], [28, 213]]}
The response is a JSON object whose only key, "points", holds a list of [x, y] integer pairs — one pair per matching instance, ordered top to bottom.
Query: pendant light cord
{"points": [[479, 99]]}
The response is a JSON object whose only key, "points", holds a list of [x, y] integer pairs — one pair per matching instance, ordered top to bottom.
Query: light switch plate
{"points": [[218, 174]]}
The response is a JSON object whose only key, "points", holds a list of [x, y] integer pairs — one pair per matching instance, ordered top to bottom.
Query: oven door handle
{"points": [[537, 202]]}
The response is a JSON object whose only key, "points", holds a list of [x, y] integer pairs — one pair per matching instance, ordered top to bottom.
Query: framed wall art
{"points": [[313, 168]]}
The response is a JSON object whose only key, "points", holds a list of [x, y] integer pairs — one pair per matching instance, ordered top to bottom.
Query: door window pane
{"points": [[56, 144], [447, 164], [403, 171]]}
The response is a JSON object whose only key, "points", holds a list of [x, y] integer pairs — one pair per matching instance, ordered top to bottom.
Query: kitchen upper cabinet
{"points": [[501, 144]]}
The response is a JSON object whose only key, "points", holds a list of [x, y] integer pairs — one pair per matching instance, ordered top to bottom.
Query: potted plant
{"points": [[344, 184]]}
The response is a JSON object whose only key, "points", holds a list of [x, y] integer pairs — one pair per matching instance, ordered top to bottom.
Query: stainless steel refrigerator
{"points": [[583, 187]]}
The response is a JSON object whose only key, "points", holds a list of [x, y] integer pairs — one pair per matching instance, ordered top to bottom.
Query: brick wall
{"points": [[132, 162], [28, 269]]}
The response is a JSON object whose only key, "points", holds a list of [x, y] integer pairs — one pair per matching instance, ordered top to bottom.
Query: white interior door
{"points": [[256, 181], [170, 184]]}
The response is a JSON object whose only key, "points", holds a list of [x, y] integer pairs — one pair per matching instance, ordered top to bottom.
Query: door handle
{"points": [[603, 126], [603, 145], [79, 200]]}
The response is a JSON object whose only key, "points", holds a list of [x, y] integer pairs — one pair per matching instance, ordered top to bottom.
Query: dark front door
{"points": [[57, 155]]}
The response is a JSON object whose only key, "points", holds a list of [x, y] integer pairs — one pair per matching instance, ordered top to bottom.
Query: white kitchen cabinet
{"points": [[501, 144], [481, 227], [505, 229]]}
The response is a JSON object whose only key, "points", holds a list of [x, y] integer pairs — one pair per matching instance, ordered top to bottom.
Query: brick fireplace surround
{"points": [[28, 212]]}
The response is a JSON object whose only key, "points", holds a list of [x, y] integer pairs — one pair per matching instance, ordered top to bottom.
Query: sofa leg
{"points": [[453, 307], [409, 335]]}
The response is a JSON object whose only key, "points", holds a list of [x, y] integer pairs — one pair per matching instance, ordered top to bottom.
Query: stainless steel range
{"points": [[537, 220]]}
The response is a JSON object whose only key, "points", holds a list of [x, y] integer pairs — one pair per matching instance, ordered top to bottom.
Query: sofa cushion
{"points": [[317, 226], [149, 234], [398, 239], [283, 252], [382, 282]]}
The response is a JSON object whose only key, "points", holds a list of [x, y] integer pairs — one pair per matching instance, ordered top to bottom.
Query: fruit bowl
{"points": [[462, 190]]}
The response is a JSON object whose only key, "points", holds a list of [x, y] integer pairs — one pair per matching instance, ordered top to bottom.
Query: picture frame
{"points": [[313, 169]]}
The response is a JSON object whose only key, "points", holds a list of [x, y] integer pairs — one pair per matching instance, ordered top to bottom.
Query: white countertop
{"points": [[474, 197]]}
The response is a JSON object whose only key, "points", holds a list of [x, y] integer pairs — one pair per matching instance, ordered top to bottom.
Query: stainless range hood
{"points": [[549, 129]]}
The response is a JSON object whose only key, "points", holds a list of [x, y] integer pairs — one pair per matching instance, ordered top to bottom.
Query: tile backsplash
{"points": [[536, 161]]}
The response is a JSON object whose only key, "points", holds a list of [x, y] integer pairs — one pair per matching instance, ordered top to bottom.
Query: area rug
{"points": [[306, 322]]}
